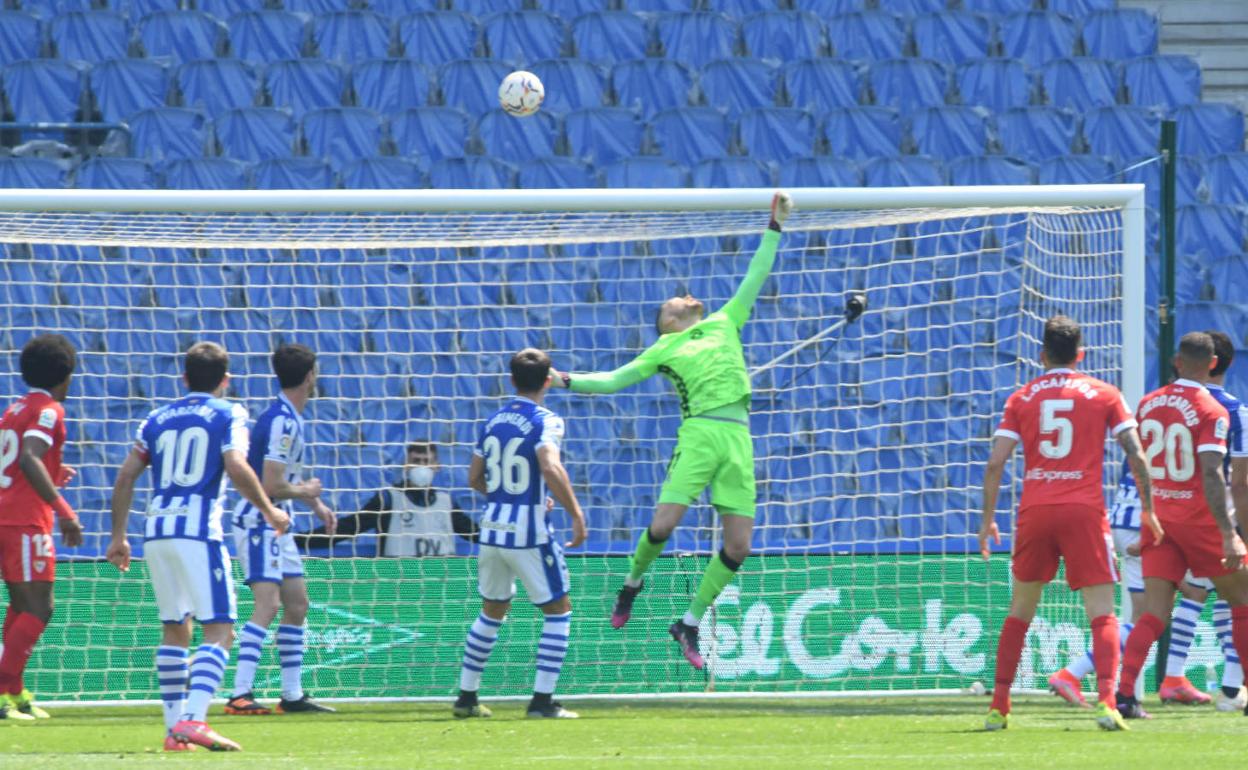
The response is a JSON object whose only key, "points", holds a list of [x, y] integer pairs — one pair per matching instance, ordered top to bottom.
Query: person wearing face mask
{"points": [[411, 518]]}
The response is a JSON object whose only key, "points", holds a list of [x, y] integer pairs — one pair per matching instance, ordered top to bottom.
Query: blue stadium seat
{"points": [[313, 7], [485, 7], [997, 7], [828, 8], [221, 9], [570, 9], [1077, 9], [1119, 34], [783, 35], [867, 35], [90, 36], [181, 36], [351, 36], [21, 37], [257, 37], [437, 37], [521, 37], [610, 37], [952, 37], [1037, 37], [696, 38], [1165, 81], [1080, 83], [304, 84], [472, 84], [571, 84], [820, 84], [908, 84], [998, 84], [217, 85], [737, 85], [390, 86], [649, 86], [123, 87], [43, 91], [1209, 129], [949, 132], [1122, 132], [169, 133], [256, 133], [431, 133], [777, 133], [863, 133], [1037, 133], [604, 134], [691, 134], [339, 135], [504, 136], [990, 169], [1076, 169], [819, 171], [905, 171], [31, 172], [645, 172], [731, 172], [381, 173], [471, 173], [555, 173], [114, 174], [204, 174], [292, 174], [1227, 175], [1190, 187], [1216, 231], [1198, 316]]}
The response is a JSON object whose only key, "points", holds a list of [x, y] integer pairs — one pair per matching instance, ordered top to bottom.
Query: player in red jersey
{"points": [[1061, 418], [1186, 428], [32, 435]]}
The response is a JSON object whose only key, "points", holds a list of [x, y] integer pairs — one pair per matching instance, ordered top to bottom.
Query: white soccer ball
{"points": [[521, 93]]}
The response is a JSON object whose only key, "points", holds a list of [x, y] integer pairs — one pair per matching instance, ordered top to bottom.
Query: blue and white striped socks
{"points": [[1182, 631], [250, 641], [477, 648], [551, 650], [290, 653], [1084, 665], [207, 671], [1233, 671], [172, 673]]}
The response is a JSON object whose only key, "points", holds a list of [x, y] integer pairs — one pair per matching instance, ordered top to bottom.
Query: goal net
{"points": [[869, 442]]}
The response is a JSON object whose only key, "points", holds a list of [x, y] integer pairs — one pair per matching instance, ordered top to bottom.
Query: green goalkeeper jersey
{"points": [[705, 362]]}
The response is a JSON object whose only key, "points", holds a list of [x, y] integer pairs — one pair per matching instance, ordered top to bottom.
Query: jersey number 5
{"points": [[1052, 422], [1176, 442], [503, 468]]}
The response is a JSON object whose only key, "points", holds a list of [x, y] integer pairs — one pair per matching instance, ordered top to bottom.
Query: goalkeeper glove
{"points": [[781, 207]]}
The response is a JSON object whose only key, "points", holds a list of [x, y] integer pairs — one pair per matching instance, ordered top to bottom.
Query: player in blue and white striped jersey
{"points": [[191, 444], [516, 460], [1124, 522], [272, 567]]}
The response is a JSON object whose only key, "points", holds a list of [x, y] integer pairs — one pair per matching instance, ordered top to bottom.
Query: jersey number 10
{"points": [[183, 456]]}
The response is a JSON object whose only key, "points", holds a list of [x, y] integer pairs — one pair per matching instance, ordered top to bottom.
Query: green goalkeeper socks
{"points": [[647, 551], [718, 575]]}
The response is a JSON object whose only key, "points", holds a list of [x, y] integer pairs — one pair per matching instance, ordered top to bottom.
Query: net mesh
{"points": [[869, 443]]}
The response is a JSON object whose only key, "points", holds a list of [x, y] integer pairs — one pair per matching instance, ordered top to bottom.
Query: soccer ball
{"points": [[521, 93]]}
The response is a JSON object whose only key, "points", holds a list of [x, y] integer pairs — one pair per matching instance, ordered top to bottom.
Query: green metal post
{"points": [[1165, 305]]}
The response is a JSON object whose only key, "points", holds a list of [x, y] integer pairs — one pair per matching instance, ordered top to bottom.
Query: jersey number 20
{"points": [[1176, 442], [503, 467]]}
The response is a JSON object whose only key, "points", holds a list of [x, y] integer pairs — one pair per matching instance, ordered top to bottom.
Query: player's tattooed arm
{"points": [[1129, 440], [1215, 490]]}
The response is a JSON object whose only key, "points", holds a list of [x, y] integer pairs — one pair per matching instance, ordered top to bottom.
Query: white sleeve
{"points": [[43, 426], [552, 431], [237, 437], [1239, 438], [139, 441]]}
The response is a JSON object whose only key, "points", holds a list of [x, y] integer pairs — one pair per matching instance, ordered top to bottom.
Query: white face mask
{"points": [[419, 475]]}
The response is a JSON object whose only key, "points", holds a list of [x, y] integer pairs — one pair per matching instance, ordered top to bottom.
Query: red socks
{"points": [[10, 615], [1147, 630], [1239, 630], [20, 636], [1009, 650], [1105, 655]]}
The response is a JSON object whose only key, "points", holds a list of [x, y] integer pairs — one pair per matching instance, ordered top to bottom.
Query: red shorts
{"points": [[1077, 534], [1195, 546], [27, 554]]}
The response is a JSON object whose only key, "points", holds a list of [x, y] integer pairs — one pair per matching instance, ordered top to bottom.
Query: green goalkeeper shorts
{"points": [[715, 452]]}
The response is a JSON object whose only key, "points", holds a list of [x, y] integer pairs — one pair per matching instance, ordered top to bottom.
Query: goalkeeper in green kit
{"points": [[704, 361]]}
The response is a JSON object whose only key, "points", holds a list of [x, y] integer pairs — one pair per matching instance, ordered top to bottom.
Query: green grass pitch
{"points": [[924, 733]]}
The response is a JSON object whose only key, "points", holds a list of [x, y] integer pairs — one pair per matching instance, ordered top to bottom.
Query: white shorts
{"points": [[267, 557], [1131, 568], [542, 570], [191, 577]]}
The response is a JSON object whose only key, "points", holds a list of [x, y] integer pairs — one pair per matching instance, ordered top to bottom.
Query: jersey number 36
{"points": [[503, 467]]}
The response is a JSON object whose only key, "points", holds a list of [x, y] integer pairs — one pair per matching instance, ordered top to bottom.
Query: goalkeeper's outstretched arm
{"points": [[739, 307]]}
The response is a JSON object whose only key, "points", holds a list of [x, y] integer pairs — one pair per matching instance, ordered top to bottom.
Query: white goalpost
{"points": [[870, 432]]}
